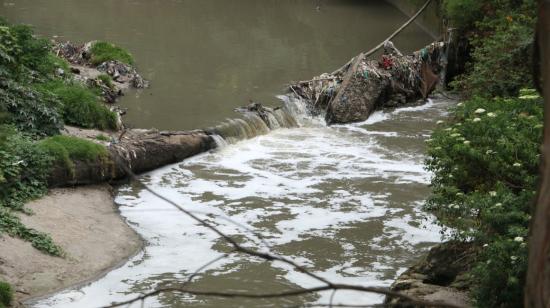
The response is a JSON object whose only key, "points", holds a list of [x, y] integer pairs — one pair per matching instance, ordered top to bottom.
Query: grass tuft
{"points": [[103, 51], [81, 105], [6, 294]]}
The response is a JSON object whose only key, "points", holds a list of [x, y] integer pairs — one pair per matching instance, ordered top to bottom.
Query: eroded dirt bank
{"points": [[85, 222]]}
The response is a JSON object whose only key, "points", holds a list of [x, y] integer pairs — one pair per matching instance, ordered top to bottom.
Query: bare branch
{"points": [[267, 256]]}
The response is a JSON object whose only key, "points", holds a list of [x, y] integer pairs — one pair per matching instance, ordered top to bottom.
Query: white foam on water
{"points": [[292, 185]]}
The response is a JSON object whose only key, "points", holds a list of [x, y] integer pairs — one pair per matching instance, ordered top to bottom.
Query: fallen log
{"points": [[352, 94], [138, 150]]}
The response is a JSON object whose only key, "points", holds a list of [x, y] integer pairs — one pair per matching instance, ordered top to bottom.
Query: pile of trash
{"points": [[79, 57], [353, 92]]}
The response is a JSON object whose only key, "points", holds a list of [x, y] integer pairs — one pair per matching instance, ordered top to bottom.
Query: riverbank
{"points": [[86, 224]]}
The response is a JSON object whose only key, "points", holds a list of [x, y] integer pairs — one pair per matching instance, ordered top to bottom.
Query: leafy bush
{"points": [[463, 13], [501, 35], [103, 51], [80, 105], [30, 110], [485, 165], [24, 168], [6, 294]]}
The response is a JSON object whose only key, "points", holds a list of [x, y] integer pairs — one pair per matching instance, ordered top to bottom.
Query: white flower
{"points": [[529, 97], [459, 104], [480, 111], [492, 115], [477, 120], [440, 122], [448, 129], [455, 135], [467, 142], [438, 148], [517, 165], [451, 176], [493, 193], [458, 194], [498, 204], [456, 206], [518, 239], [486, 245], [513, 258]]}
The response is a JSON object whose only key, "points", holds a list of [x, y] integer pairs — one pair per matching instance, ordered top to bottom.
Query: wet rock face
{"points": [[440, 276]]}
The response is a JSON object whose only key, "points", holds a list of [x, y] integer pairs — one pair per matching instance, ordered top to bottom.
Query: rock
{"points": [[440, 277]]}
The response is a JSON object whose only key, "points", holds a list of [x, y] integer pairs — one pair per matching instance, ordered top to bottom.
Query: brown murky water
{"points": [[205, 57], [343, 200]]}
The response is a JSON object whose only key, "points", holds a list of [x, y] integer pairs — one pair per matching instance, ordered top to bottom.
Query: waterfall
{"points": [[257, 120]]}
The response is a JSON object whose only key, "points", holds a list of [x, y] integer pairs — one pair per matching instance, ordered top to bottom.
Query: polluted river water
{"points": [[344, 201]]}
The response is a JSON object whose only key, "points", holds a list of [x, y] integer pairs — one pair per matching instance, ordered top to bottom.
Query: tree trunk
{"points": [[139, 151], [537, 289]]}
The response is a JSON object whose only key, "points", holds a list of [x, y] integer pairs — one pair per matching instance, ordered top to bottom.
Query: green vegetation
{"points": [[500, 33], [103, 51], [106, 79], [36, 99], [80, 104], [102, 137], [66, 149], [485, 159], [485, 165], [24, 167], [6, 294]]}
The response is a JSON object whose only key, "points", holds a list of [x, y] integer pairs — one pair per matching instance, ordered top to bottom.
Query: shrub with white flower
{"points": [[494, 176]]}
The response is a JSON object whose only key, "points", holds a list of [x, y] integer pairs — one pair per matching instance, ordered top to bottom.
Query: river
{"points": [[344, 201]]}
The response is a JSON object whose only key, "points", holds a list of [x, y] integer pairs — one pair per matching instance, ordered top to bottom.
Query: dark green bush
{"points": [[463, 13], [501, 35], [103, 51], [81, 106], [30, 110], [485, 165], [24, 167], [6, 294]]}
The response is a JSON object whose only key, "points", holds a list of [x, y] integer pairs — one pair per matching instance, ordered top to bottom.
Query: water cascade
{"points": [[258, 120], [342, 200]]}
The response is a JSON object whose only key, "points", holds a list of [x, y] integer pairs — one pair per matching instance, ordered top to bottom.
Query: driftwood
{"points": [[352, 93], [140, 151]]}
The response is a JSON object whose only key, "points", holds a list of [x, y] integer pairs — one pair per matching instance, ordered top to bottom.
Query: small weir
{"points": [[344, 201]]}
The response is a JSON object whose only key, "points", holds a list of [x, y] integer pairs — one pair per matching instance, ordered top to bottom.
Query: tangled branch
{"points": [[266, 256]]}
